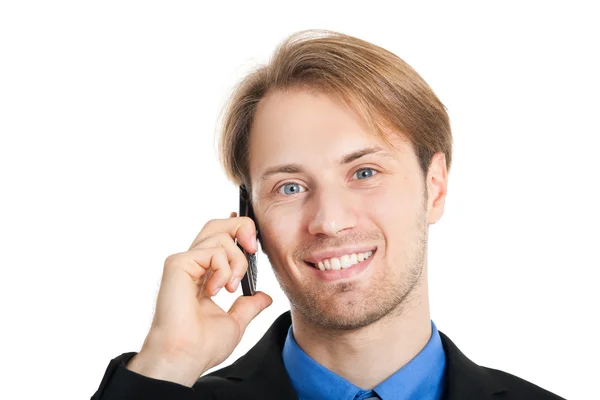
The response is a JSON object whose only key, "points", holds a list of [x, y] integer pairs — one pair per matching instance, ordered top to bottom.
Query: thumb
{"points": [[245, 308]]}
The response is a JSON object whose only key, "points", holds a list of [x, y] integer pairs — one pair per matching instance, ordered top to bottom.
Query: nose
{"points": [[332, 212]]}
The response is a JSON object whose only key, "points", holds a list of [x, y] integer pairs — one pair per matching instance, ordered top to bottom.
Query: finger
{"points": [[241, 228], [237, 260], [196, 263], [221, 273], [246, 308]]}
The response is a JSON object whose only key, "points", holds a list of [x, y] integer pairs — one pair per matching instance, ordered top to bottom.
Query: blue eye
{"points": [[364, 173], [291, 188]]}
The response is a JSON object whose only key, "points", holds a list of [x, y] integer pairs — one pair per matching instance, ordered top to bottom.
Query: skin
{"points": [[367, 326]]}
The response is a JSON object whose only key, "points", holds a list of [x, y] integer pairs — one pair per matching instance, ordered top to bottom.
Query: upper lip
{"points": [[327, 254]]}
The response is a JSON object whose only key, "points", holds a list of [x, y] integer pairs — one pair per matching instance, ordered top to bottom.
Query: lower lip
{"points": [[342, 273]]}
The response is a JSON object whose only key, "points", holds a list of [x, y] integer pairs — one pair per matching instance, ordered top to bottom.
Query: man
{"points": [[345, 151]]}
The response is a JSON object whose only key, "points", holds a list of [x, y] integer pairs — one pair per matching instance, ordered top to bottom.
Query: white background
{"points": [[108, 114]]}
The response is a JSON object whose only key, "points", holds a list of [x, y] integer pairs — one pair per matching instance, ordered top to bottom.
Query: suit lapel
{"points": [[261, 373], [464, 378]]}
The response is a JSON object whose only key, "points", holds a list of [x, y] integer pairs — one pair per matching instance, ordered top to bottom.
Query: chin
{"points": [[345, 310], [344, 318]]}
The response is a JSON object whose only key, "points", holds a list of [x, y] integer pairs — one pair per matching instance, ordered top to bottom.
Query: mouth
{"points": [[346, 261]]}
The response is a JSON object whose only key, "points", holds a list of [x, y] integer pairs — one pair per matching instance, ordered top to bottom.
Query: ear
{"points": [[437, 186]]}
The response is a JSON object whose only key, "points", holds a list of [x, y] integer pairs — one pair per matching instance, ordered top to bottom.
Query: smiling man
{"points": [[345, 151]]}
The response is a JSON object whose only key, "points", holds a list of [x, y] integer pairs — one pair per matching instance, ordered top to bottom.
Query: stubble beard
{"points": [[346, 306]]}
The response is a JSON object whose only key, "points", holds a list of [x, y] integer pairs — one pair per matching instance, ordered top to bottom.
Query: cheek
{"points": [[390, 202], [393, 209], [280, 230]]}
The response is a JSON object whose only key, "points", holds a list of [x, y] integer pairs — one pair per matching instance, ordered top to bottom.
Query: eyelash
{"points": [[278, 189]]}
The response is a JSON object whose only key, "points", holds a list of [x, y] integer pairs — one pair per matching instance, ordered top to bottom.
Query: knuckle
{"points": [[248, 221], [209, 225], [224, 238], [221, 253], [218, 258], [172, 260], [240, 263], [225, 265], [227, 275]]}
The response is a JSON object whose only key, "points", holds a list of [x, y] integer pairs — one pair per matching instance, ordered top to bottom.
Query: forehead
{"points": [[284, 114], [298, 126]]}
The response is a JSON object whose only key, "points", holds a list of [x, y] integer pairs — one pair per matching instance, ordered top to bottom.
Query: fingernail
{"points": [[254, 244], [235, 283], [217, 290]]}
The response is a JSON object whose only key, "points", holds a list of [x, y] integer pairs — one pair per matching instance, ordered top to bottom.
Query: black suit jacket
{"points": [[260, 374]]}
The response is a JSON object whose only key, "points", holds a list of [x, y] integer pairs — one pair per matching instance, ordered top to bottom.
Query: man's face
{"points": [[324, 187]]}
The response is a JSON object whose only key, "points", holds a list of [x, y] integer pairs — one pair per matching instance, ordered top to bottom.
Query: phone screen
{"points": [[249, 279]]}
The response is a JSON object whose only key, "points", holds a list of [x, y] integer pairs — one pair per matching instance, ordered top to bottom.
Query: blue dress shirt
{"points": [[422, 378]]}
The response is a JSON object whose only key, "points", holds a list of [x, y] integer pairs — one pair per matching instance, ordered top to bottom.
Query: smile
{"points": [[343, 262]]}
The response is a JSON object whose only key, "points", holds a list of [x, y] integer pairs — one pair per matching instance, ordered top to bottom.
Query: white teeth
{"points": [[345, 261], [335, 263]]}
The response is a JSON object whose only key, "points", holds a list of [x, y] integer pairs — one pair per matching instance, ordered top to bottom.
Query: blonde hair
{"points": [[372, 81]]}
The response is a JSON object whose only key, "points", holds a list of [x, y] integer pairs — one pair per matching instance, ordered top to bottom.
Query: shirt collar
{"points": [[422, 377]]}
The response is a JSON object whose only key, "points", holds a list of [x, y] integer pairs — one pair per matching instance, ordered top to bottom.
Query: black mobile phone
{"points": [[249, 279]]}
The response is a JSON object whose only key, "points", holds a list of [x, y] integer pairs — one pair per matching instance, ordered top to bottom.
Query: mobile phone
{"points": [[249, 279]]}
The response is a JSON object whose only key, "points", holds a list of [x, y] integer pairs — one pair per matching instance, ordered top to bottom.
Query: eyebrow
{"points": [[347, 159]]}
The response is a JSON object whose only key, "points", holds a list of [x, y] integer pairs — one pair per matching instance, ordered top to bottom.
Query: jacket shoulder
{"points": [[260, 373], [467, 379], [519, 388]]}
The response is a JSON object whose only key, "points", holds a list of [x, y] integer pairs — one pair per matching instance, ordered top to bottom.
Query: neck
{"points": [[369, 355]]}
